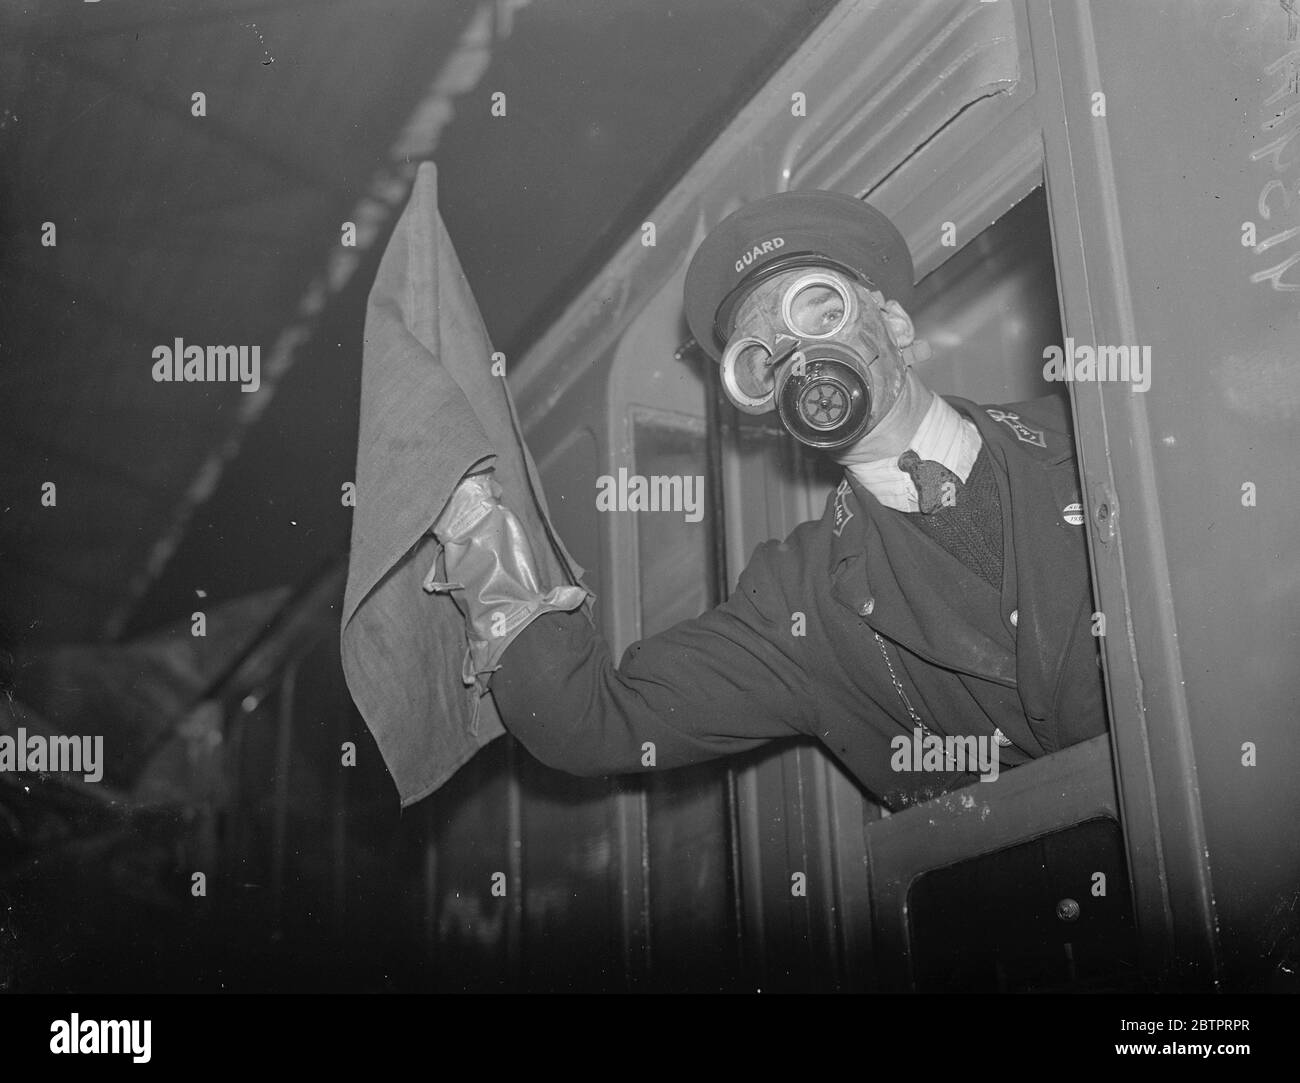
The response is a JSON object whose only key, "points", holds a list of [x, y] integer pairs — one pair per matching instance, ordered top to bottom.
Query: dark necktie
{"points": [[929, 478]]}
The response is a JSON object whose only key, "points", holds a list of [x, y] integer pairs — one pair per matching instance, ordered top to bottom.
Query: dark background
{"points": [[181, 498]]}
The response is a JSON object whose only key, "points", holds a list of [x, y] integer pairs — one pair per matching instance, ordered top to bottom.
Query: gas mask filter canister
{"points": [[797, 354]]}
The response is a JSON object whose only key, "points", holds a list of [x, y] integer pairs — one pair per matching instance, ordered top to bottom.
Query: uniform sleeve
{"points": [[725, 682]]}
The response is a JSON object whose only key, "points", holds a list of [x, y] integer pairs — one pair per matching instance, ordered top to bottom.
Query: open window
{"points": [[988, 312]]}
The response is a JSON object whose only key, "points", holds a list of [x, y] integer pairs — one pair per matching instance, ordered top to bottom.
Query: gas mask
{"points": [[812, 344]]}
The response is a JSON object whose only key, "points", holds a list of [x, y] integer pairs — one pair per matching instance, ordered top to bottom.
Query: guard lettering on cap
{"points": [[758, 252]]}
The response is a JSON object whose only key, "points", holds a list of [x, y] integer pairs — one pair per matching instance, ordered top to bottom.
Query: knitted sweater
{"points": [[971, 529]]}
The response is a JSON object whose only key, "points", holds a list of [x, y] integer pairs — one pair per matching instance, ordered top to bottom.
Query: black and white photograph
{"points": [[619, 497]]}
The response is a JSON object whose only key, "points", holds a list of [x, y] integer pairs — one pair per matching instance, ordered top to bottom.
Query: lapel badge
{"points": [[1023, 432], [842, 512], [1073, 514]]}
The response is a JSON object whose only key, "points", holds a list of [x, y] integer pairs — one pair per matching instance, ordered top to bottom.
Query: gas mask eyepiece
{"points": [[784, 357], [748, 374]]}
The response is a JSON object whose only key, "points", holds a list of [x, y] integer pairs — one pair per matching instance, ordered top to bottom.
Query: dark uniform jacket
{"points": [[740, 675]]}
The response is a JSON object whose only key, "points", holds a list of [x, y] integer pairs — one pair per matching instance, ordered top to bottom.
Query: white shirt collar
{"points": [[943, 435]]}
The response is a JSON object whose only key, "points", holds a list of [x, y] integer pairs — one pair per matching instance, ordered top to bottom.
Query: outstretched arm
{"points": [[724, 682]]}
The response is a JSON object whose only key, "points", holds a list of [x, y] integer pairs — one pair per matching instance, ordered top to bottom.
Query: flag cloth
{"points": [[432, 410]]}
